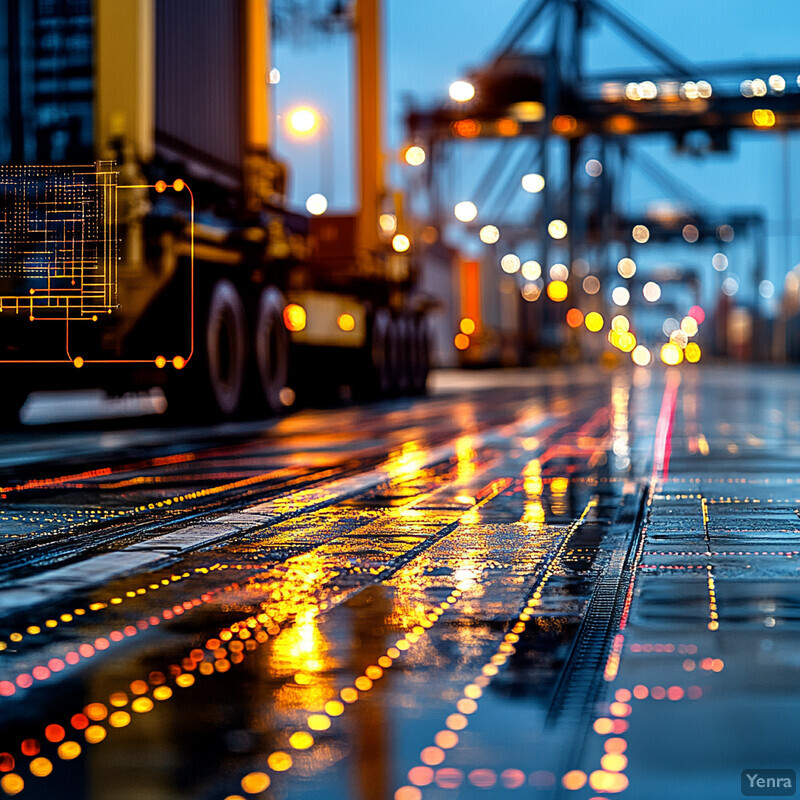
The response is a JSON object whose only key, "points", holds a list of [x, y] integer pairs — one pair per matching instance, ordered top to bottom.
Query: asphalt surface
{"points": [[536, 584]]}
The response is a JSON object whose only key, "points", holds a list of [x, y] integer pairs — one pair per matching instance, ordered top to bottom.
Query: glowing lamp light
{"points": [[461, 91], [763, 117], [302, 121], [414, 156], [532, 182], [317, 204], [465, 211], [489, 234], [400, 243], [510, 263], [531, 270], [557, 291], [698, 314], [294, 317], [574, 318], [594, 321], [346, 322], [692, 352], [671, 354], [641, 356]]}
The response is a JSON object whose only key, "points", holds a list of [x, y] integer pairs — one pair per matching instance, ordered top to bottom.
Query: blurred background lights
{"points": [[274, 76], [777, 83], [461, 91], [302, 121], [414, 156], [593, 168], [532, 182], [317, 204], [465, 211], [388, 224], [557, 229], [640, 233], [690, 233], [725, 233], [489, 234], [400, 243], [719, 261], [510, 263], [626, 267], [531, 270], [559, 272], [591, 284], [730, 286], [766, 289], [557, 291], [651, 291], [531, 292], [620, 296], [698, 313], [574, 318], [594, 321], [620, 323], [670, 325], [467, 326], [689, 326], [679, 338], [692, 352], [671, 354], [641, 355]]}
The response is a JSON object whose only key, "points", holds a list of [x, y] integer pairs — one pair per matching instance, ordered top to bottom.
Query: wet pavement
{"points": [[550, 584]]}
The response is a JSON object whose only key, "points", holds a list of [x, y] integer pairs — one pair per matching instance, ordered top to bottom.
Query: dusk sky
{"points": [[430, 44]]}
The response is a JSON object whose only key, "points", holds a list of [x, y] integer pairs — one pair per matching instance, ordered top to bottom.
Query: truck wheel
{"points": [[401, 336], [226, 347], [271, 347], [420, 355]]}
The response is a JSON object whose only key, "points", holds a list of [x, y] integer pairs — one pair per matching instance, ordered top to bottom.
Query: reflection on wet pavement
{"points": [[581, 588]]}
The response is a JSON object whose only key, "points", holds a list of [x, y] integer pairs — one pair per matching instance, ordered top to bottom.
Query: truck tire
{"points": [[225, 344], [271, 347], [400, 354], [420, 355]]}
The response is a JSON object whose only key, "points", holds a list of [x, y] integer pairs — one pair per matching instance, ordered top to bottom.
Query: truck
{"points": [[199, 278]]}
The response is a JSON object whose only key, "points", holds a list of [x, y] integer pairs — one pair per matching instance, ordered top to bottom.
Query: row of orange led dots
{"points": [[34, 630], [183, 677], [434, 755], [280, 761]]}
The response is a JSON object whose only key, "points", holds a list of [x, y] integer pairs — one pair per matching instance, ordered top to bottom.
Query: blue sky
{"points": [[429, 43]]}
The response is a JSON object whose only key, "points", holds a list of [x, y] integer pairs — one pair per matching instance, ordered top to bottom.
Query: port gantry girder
{"points": [[546, 94]]}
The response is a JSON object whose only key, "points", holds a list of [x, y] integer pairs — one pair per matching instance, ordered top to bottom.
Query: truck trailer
{"points": [[135, 144]]}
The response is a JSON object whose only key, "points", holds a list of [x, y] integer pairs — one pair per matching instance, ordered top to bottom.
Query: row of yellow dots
{"points": [[446, 739], [280, 761]]}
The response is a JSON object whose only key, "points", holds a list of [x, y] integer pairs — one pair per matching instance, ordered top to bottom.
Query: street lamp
{"points": [[305, 122]]}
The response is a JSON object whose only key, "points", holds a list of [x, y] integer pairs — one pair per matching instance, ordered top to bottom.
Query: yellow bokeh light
{"points": [[461, 91], [763, 118], [302, 121], [414, 155], [532, 182], [317, 204], [465, 211], [557, 228], [640, 233], [489, 234], [400, 243], [626, 267], [557, 291], [294, 317], [594, 321], [346, 322], [621, 324], [467, 326], [689, 326], [461, 341], [627, 342], [693, 352], [671, 354], [641, 356], [301, 740], [69, 750], [279, 761], [41, 767], [255, 782]]}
